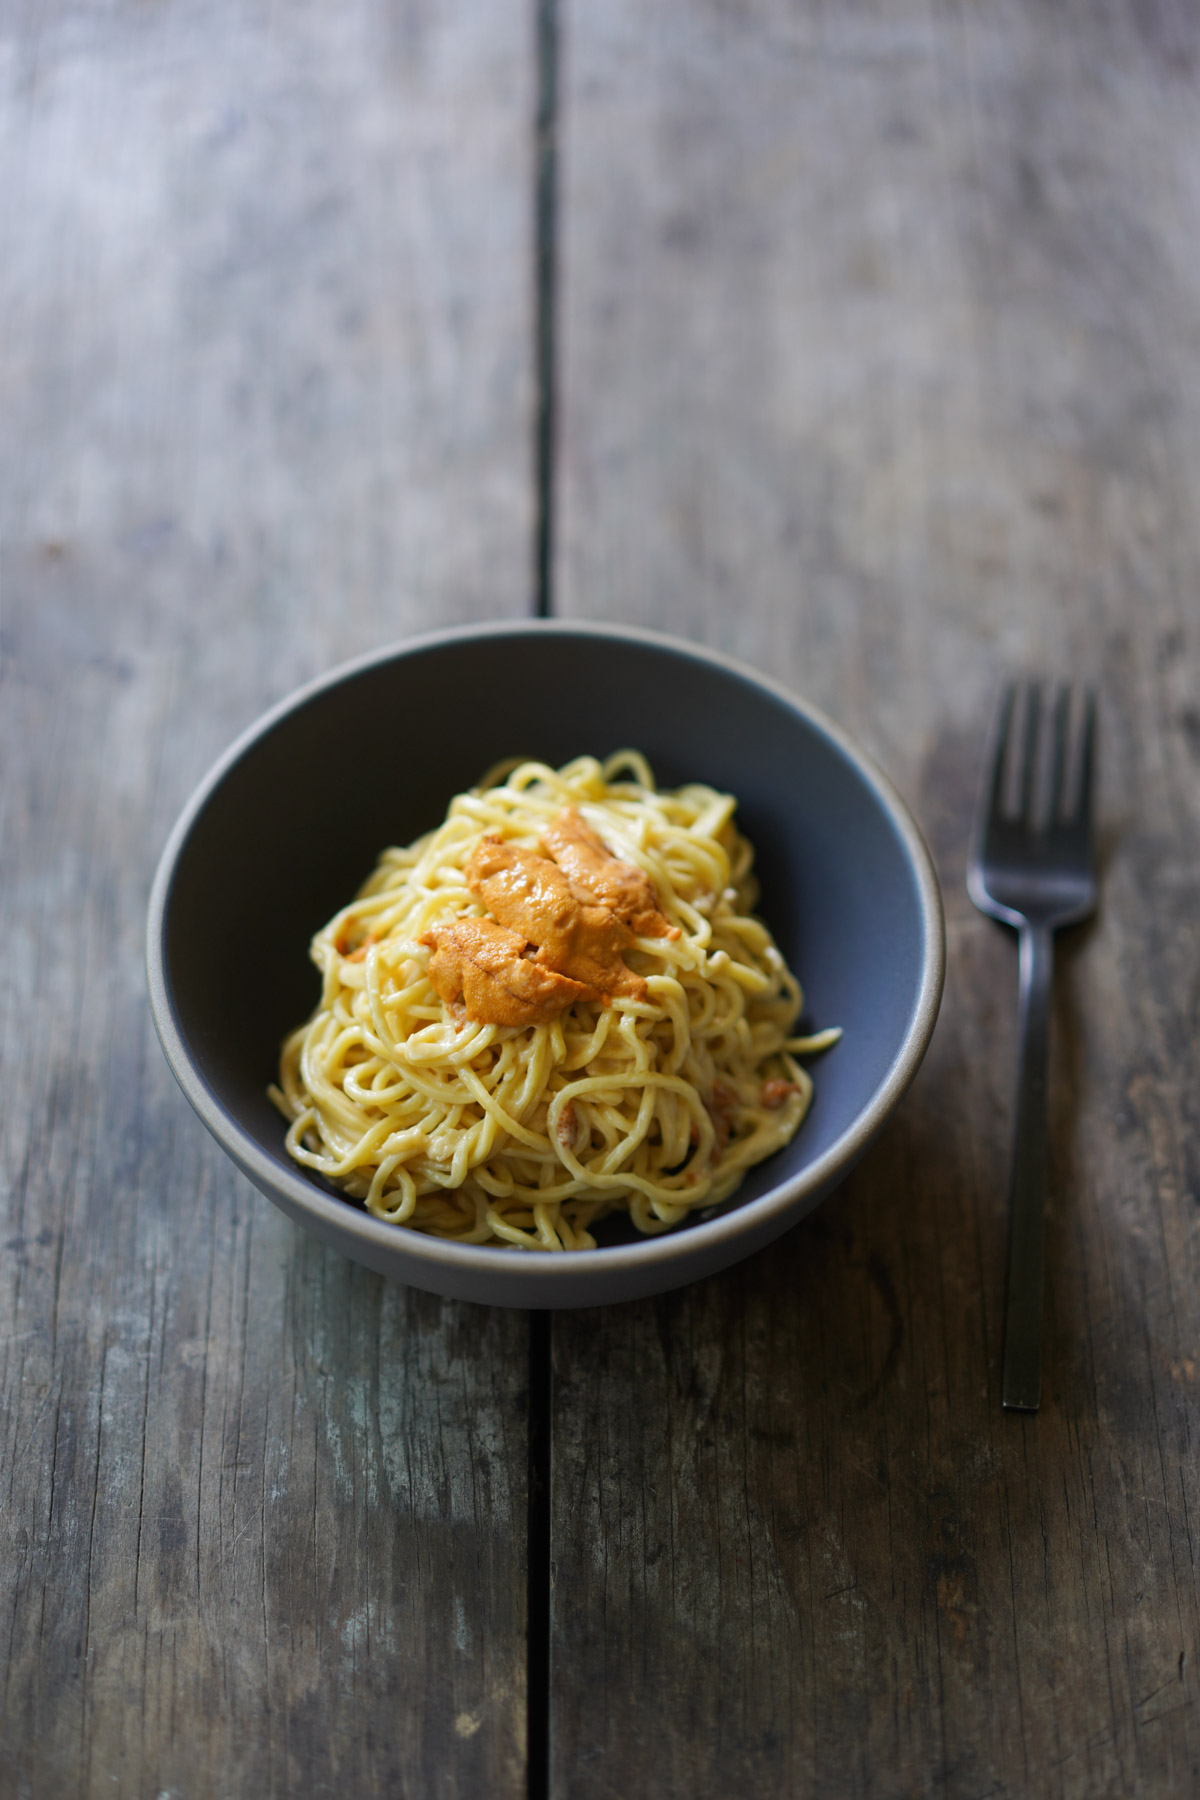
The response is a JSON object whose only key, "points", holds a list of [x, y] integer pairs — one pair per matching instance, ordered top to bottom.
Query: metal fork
{"points": [[1032, 865]]}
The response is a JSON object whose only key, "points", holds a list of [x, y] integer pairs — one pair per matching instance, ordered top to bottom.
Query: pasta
{"points": [[555, 1006]]}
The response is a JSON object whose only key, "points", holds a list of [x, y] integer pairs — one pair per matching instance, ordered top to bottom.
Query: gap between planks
{"points": [[541, 1394]]}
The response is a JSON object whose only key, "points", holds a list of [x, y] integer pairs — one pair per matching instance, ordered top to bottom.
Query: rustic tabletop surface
{"points": [[861, 342]]}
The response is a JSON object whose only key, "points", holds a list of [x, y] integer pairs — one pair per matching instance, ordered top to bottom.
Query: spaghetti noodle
{"points": [[646, 1083]]}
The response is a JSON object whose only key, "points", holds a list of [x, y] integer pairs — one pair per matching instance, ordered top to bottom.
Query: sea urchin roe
{"points": [[597, 876], [532, 896], [360, 955], [499, 984], [722, 1105], [568, 1130]]}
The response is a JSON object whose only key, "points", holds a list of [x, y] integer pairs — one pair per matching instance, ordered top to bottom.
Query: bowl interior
{"points": [[294, 826]]}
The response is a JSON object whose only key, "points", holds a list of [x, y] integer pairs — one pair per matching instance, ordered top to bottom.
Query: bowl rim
{"points": [[419, 1249]]}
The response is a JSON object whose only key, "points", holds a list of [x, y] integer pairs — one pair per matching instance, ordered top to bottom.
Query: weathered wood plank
{"points": [[879, 335], [265, 365]]}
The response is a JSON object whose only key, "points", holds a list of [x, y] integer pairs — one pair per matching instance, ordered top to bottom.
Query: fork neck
{"points": [[1036, 970], [1022, 1388]]}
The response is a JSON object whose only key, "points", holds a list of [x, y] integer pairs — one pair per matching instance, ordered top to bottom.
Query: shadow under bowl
{"points": [[290, 822]]}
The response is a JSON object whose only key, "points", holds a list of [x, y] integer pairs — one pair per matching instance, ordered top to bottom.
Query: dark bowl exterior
{"points": [[291, 821]]}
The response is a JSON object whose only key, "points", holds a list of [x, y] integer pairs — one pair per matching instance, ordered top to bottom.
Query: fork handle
{"points": [[1022, 1384]]}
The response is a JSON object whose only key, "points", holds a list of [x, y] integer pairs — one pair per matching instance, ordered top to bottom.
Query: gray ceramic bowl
{"points": [[292, 819]]}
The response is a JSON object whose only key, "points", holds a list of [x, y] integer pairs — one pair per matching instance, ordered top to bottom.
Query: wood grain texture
{"points": [[879, 335], [265, 368]]}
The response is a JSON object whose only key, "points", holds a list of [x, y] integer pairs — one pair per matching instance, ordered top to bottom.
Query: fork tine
{"points": [[1087, 758], [1058, 771], [1027, 783], [999, 786]]}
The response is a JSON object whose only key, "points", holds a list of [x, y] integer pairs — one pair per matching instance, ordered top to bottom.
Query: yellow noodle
{"points": [[463, 1130]]}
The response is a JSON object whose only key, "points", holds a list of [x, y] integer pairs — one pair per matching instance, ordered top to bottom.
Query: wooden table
{"points": [[860, 342]]}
